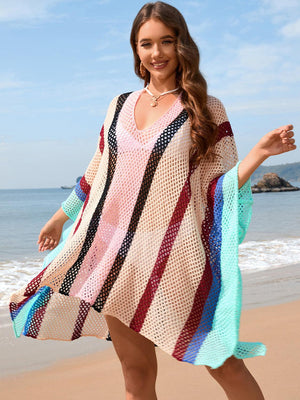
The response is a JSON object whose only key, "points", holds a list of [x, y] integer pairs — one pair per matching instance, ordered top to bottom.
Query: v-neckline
{"points": [[127, 122], [151, 126]]}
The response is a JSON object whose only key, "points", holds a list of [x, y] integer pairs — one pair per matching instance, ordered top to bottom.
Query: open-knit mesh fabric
{"points": [[154, 243]]}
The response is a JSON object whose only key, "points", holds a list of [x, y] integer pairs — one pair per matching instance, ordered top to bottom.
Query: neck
{"points": [[157, 87]]}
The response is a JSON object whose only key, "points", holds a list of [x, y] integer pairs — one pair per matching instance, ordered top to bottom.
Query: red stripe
{"points": [[224, 130], [101, 144], [85, 187], [83, 208], [163, 255], [34, 283], [203, 289], [15, 306], [84, 309]]}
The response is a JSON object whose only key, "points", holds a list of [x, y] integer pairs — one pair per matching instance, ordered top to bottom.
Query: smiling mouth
{"points": [[160, 65]]}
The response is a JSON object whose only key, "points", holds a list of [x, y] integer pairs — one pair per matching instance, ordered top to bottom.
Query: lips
{"points": [[160, 64]]}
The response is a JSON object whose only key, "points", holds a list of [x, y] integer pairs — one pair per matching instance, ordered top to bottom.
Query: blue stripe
{"points": [[80, 194], [215, 242]]}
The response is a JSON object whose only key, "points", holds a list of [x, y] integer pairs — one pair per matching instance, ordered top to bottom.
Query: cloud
{"points": [[278, 6], [22, 10], [277, 11], [292, 29], [115, 57], [247, 73], [10, 82], [267, 106]]}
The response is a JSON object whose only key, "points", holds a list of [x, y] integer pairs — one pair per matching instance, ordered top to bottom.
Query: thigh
{"points": [[130, 346]]}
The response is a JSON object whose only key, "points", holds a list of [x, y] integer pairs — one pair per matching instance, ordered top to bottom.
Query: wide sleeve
{"points": [[226, 166], [74, 202], [72, 205], [227, 213]]}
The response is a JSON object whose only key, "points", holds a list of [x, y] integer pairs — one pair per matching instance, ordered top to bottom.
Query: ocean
{"points": [[272, 241]]}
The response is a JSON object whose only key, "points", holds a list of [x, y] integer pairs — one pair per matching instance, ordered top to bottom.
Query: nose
{"points": [[157, 52]]}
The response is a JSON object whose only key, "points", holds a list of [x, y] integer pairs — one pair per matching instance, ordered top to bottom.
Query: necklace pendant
{"points": [[154, 102]]}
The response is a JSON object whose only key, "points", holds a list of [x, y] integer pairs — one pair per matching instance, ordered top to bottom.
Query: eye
{"points": [[168, 42], [145, 44]]}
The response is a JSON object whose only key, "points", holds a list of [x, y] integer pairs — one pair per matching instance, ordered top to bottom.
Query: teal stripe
{"points": [[72, 205], [225, 330]]}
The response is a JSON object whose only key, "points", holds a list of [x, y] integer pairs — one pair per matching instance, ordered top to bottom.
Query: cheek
{"points": [[141, 53]]}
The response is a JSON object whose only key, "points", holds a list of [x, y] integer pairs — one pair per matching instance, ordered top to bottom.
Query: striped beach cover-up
{"points": [[154, 243]]}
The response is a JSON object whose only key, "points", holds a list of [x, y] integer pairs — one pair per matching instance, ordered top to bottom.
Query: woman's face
{"points": [[156, 47]]}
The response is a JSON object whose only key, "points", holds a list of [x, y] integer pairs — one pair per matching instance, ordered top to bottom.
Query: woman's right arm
{"points": [[51, 232]]}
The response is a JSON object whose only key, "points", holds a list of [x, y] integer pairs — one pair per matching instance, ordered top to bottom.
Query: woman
{"points": [[152, 256]]}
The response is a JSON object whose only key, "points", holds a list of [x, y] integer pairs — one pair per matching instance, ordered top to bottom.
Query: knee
{"points": [[232, 370], [138, 376]]}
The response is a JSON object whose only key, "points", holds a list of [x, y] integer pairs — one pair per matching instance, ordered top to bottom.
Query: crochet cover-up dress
{"points": [[154, 243]]}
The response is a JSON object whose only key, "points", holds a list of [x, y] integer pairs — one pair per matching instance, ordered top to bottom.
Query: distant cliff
{"points": [[290, 172], [273, 183]]}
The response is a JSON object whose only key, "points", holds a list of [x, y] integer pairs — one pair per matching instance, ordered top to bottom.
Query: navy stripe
{"points": [[93, 225]]}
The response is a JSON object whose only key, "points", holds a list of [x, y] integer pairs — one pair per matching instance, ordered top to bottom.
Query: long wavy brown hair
{"points": [[188, 76]]}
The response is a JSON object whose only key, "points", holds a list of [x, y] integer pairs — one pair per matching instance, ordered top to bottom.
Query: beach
{"points": [[89, 368]]}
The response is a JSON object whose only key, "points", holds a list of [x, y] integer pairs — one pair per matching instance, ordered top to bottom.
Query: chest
{"points": [[145, 115]]}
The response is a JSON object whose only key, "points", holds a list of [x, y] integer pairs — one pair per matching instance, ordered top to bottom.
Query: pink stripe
{"points": [[109, 236], [163, 255], [203, 289]]}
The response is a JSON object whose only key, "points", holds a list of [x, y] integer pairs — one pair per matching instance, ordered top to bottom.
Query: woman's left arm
{"points": [[278, 141]]}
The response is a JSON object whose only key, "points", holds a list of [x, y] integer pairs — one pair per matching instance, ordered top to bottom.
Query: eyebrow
{"points": [[163, 37]]}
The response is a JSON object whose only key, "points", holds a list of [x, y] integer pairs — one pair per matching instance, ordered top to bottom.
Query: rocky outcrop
{"points": [[273, 183]]}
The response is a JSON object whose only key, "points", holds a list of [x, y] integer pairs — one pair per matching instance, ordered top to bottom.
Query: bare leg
{"points": [[138, 359], [236, 380]]}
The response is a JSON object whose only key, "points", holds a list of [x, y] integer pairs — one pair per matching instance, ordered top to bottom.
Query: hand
{"points": [[278, 141], [50, 235]]}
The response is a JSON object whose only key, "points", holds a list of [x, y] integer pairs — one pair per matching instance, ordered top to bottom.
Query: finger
{"points": [[287, 127], [284, 129], [287, 134], [288, 140], [289, 147], [40, 239], [47, 241], [41, 243], [51, 244]]}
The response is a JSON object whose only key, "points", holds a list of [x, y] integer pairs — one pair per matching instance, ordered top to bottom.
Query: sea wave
{"points": [[260, 255], [253, 256], [14, 274]]}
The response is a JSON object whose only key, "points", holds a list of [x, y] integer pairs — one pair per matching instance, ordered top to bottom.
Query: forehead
{"points": [[154, 29]]}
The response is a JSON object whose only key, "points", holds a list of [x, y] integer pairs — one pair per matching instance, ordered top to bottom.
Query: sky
{"points": [[62, 61]]}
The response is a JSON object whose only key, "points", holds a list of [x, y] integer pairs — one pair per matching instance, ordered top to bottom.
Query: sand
{"points": [[99, 376]]}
